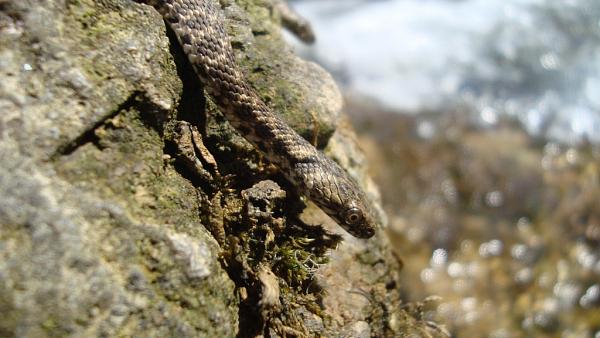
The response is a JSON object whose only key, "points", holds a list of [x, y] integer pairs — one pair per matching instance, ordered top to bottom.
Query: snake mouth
{"points": [[365, 233], [368, 233]]}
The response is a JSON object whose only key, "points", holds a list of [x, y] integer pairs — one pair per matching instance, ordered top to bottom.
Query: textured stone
{"points": [[103, 232]]}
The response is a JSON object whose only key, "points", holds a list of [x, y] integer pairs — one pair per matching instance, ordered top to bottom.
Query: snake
{"points": [[199, 28]]}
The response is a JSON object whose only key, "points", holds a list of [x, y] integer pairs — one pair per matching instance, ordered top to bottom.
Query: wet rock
{"points": [[498, 223]]}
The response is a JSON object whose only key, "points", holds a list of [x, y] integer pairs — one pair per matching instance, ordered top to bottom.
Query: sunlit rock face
{"points": [[531, 59]]}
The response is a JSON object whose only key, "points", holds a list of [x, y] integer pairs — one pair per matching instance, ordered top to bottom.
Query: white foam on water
{"points": [[536, 60]]}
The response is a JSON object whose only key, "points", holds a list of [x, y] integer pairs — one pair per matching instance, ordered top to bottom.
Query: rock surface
{"points": [[128, 206]]}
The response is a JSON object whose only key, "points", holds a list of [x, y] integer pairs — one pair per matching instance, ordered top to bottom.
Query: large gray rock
{"points": [[130, 207], [98, 236]]}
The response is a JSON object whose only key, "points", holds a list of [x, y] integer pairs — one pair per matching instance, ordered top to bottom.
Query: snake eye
{"points": [[353, 216]]}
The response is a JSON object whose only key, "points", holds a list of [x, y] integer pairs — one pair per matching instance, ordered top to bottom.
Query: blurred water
{"points": [[536, 60]]}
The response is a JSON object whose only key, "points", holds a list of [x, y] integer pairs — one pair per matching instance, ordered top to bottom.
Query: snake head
{"points": [[339, 196], [355, 218], [357, 221]]}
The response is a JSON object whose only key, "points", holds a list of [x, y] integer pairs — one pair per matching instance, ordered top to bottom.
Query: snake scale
{"points": [[198, 25]]}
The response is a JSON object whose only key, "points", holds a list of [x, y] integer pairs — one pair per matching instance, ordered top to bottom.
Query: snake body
{"points": [[198, 25]]}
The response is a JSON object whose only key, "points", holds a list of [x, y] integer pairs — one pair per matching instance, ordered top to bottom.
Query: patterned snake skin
{"points": [[198, 25]]}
